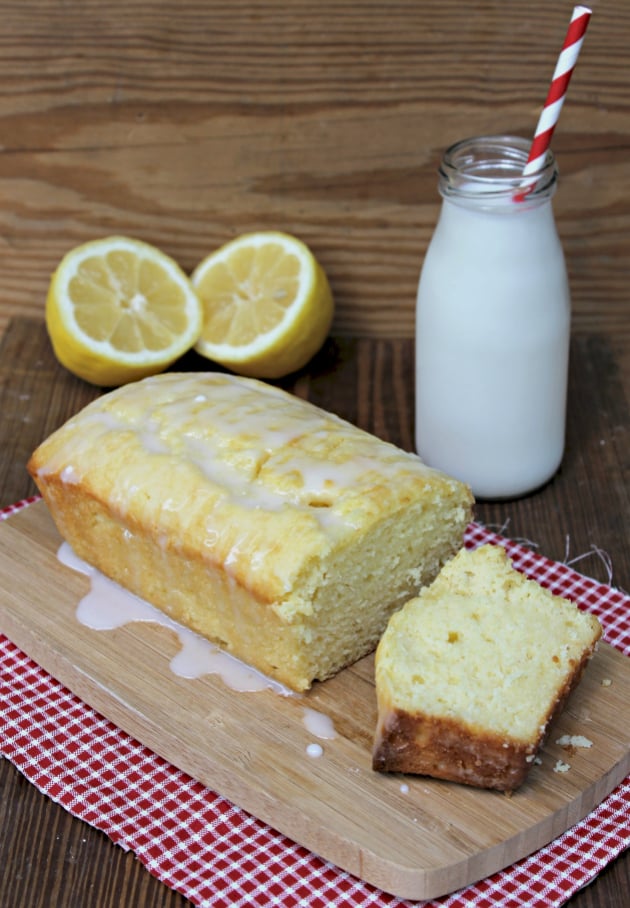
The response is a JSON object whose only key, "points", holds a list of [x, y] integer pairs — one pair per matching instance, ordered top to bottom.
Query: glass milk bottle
{"points": [[493, 324]]}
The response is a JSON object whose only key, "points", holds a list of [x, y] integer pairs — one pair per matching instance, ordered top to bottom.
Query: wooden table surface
{"points": [[185, 125]]}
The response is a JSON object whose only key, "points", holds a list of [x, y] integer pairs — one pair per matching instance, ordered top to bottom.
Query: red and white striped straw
{"points": [[558, 89]]}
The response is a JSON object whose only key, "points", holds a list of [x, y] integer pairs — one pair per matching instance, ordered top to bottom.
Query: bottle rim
{"points": [[492, 167]]}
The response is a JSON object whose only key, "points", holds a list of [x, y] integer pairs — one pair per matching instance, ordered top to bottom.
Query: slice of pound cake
{"points": [[272, 527], [470, 673]]}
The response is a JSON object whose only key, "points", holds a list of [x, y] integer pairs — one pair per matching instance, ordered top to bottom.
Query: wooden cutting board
{"points": [[414, 837]]}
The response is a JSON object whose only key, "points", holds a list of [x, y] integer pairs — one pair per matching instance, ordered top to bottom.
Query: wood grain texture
{"points": [[187, 124], [251, 748], [48, 858]]}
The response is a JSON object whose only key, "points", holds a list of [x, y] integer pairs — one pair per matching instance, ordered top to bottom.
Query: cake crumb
{"points": [[606, 682], [570, 741], [561, 767]]}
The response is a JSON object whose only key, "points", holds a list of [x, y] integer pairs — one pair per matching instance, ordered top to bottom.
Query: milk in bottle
{"points": [[493, 324]]}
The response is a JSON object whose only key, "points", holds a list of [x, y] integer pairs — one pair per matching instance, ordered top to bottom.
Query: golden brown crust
{"points": [[444, 749]]}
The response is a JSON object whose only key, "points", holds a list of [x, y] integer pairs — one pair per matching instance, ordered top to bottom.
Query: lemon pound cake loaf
{"points": [[275, 529], [470, 673]]}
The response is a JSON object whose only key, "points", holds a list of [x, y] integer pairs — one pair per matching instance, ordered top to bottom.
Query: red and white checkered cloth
{"points": [[216, 854]]}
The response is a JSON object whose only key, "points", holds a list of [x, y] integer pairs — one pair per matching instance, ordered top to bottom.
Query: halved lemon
{"points": [[267, 304], [119, 309]]}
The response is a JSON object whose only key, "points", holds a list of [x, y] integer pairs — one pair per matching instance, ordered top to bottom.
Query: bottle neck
{"points": [[486, 172]]}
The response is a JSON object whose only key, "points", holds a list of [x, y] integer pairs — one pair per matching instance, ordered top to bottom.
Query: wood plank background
{"points": [[185, 124]]}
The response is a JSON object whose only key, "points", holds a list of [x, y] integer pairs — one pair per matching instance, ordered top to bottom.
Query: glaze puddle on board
{"points": [[108, 606]]}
